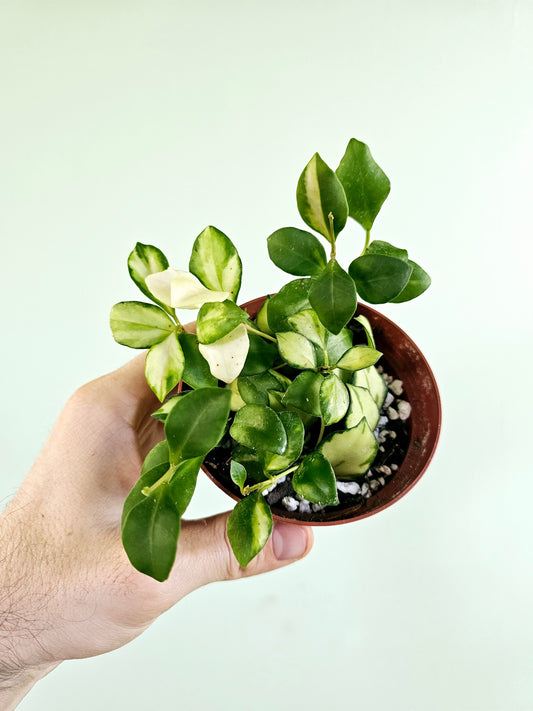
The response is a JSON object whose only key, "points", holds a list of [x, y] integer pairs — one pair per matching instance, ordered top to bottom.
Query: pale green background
{"points": [[126, 121]]}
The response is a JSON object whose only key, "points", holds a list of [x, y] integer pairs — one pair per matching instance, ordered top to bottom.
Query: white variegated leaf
{"points": [[159, 284], [226, 357]]}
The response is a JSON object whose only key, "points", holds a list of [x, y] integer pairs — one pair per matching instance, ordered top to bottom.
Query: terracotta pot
{"points": [[402, 359]]}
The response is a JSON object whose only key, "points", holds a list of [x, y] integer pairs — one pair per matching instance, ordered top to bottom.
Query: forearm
{"points": [[20, 666], [14, 685]]}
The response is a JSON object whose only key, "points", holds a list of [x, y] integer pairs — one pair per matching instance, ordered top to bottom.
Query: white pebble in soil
{"points": [[396, 387], [388, 400], [404, 409], [392, 413], [374, 484], [348, 487], [289, 503], [305, 506], [317, 507]]}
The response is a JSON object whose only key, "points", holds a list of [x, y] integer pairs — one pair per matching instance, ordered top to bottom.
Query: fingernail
{"points": [[289, 541]]}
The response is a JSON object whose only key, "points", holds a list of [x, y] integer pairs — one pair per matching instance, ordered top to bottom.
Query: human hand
{"points": [[68, 589]]}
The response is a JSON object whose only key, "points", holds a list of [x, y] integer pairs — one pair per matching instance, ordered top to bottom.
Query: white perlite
{"points": [[396, 387], [388, 400], [404, 409], [392, 413], [348, 487], [289, 503]]}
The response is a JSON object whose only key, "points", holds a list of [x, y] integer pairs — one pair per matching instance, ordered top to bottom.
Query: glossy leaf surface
{"points": [[365, 184], [320, 193], [296, 251], [145, 259], [216, 262], [379, 278], [418, 282], [333, 297], [290, 299], [216, 320], [308, 324], [139, 325], [296, 350], [227, 356], [260, 357], [358, 357], [164, 366], [196, 371], [304, 392], [334, 399], [362, 404], [196, 423], [259, 427], [294, 429], [350, 452], [238, 474], [315, 480], [249, 527], [150, 533]]}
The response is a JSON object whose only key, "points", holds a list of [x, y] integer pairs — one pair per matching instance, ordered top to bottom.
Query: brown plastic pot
{"points": [[403, 359]]}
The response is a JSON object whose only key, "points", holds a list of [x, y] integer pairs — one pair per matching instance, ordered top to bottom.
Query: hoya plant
{"points": [[292, 391]]}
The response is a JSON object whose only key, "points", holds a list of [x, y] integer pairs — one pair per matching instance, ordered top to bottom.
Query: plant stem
{"points": [[332, 240], [367, 242], [180, 328], [251, 329], [266, 484], [147, 490]]}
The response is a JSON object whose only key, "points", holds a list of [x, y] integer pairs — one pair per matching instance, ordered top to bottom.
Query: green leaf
{"points": [[365, 184], [318, 194], [380, 247], [296, 251], [145, 259], [216, 262], [378, 278], [418, 282], [333, 297], [290, 299], [262, 318], [216, 320], [365, 323], [308, 324], [139, 325], [338, 343], [296, 350], [261, 355], [358, 357], [164, 366], [196, 371], [370, 379], [254, 388], [304, 392], [334, 399], [362, 405], [162, 413], [196, 423], [259, 427], [294, 428], [350, 452], [156, 456], [250, 460], [238, 474], [149, 476], [315, 480], [183, 483], [249, 527], [150, 533]]}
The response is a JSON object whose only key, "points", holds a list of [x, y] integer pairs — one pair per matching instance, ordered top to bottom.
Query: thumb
{"points": [[205, 554]]}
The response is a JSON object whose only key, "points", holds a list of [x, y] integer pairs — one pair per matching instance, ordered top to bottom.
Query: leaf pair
{"points": [[385, 273], [152, 512]]}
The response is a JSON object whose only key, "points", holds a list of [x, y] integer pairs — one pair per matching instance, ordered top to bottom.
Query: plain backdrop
{"points": [[126, 121]]}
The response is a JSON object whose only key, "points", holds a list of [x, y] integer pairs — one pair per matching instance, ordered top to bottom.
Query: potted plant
{"points": [[295, 402]]}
